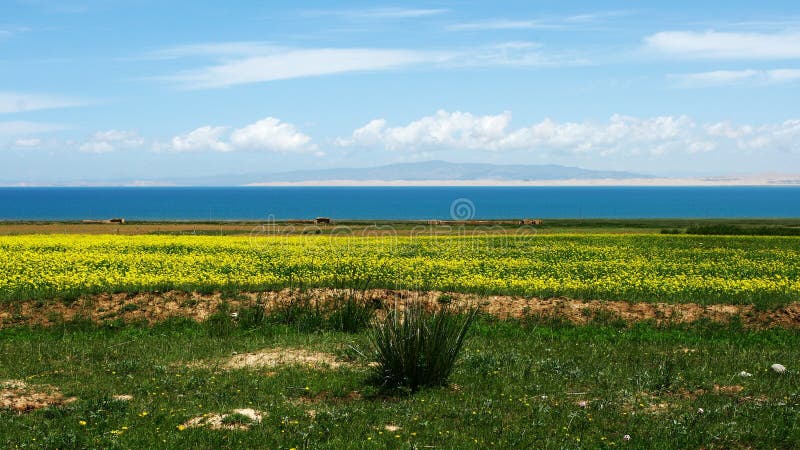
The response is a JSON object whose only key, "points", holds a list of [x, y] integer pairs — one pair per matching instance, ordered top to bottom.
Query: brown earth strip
{"points": [[155, 307]]}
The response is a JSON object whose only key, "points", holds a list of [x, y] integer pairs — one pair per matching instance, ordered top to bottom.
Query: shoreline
{"points": [[763, 180]]}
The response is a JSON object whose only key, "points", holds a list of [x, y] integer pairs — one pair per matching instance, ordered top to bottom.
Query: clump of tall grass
{"points": [[299, 310], [350, 314], [417, 346]]}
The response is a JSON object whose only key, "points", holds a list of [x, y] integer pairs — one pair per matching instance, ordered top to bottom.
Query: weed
{"points": [[417, 347]]}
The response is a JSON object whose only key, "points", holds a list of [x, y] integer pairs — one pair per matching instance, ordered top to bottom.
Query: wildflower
{"points": [[744, 374], [582, 403], [700, 411], [143, 413], [82, 423], [181, 427], [627, 437]]}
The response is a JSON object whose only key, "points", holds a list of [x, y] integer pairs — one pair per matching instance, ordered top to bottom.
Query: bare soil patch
{"points": [[158, 306], [275, 357], [21, 397], [239, 419]]}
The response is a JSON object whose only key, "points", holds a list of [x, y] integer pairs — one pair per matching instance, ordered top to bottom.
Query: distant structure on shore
{"points": [[114, 220], [486, 222]]}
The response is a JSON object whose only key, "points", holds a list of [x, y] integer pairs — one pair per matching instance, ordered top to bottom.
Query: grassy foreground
{"points": [[759, 270], [517, 385]]}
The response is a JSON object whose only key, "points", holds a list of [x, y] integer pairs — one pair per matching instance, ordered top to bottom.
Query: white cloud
{"points": [[379, 13], [578, 21], [503, 24], [9, 31], [724, 45], [224, 49], [514, 53], [236, 63], [296, 63], [731, 77], [16, 102], [23, 128], [443, 130], [269, 134], [624, 135], [784, 136], [201, 139], [112, 140], [28, 142]]}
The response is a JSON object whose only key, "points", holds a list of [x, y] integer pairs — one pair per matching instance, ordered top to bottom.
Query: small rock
{"points": [[778, 368], [744, 374], [700, 410], [627, 437]]}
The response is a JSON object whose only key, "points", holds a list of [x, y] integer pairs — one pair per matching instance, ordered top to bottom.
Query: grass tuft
{"points": [[417, 347]]}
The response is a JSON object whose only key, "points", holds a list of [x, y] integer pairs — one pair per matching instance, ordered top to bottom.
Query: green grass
{"points": [[517, 385]]}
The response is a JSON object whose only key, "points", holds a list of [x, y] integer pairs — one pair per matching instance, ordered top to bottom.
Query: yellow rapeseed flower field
{"points": [[761, 270]]}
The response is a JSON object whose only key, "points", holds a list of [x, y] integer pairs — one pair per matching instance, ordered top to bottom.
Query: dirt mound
{"points": [[155, 307], [275, 357], [19, 396], [239, 419]]}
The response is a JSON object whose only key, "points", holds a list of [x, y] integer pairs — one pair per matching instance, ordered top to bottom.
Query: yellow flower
{"points": [[82, 423], [181, 427]]}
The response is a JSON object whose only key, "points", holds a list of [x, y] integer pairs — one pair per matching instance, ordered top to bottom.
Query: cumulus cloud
{"points": [[724, 45], [732, 77], [442, 130], [269, 134], [619, 135], [201, 139], [112, 140]]}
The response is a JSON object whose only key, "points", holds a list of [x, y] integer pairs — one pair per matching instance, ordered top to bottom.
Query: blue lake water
{"points": [[384, 203]]}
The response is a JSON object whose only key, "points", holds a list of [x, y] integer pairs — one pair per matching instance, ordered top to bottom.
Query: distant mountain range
{"points": [[427, 171], [442, 173]]}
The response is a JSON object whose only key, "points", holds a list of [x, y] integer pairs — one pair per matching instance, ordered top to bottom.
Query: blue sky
{"points": [[138, 90]]}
